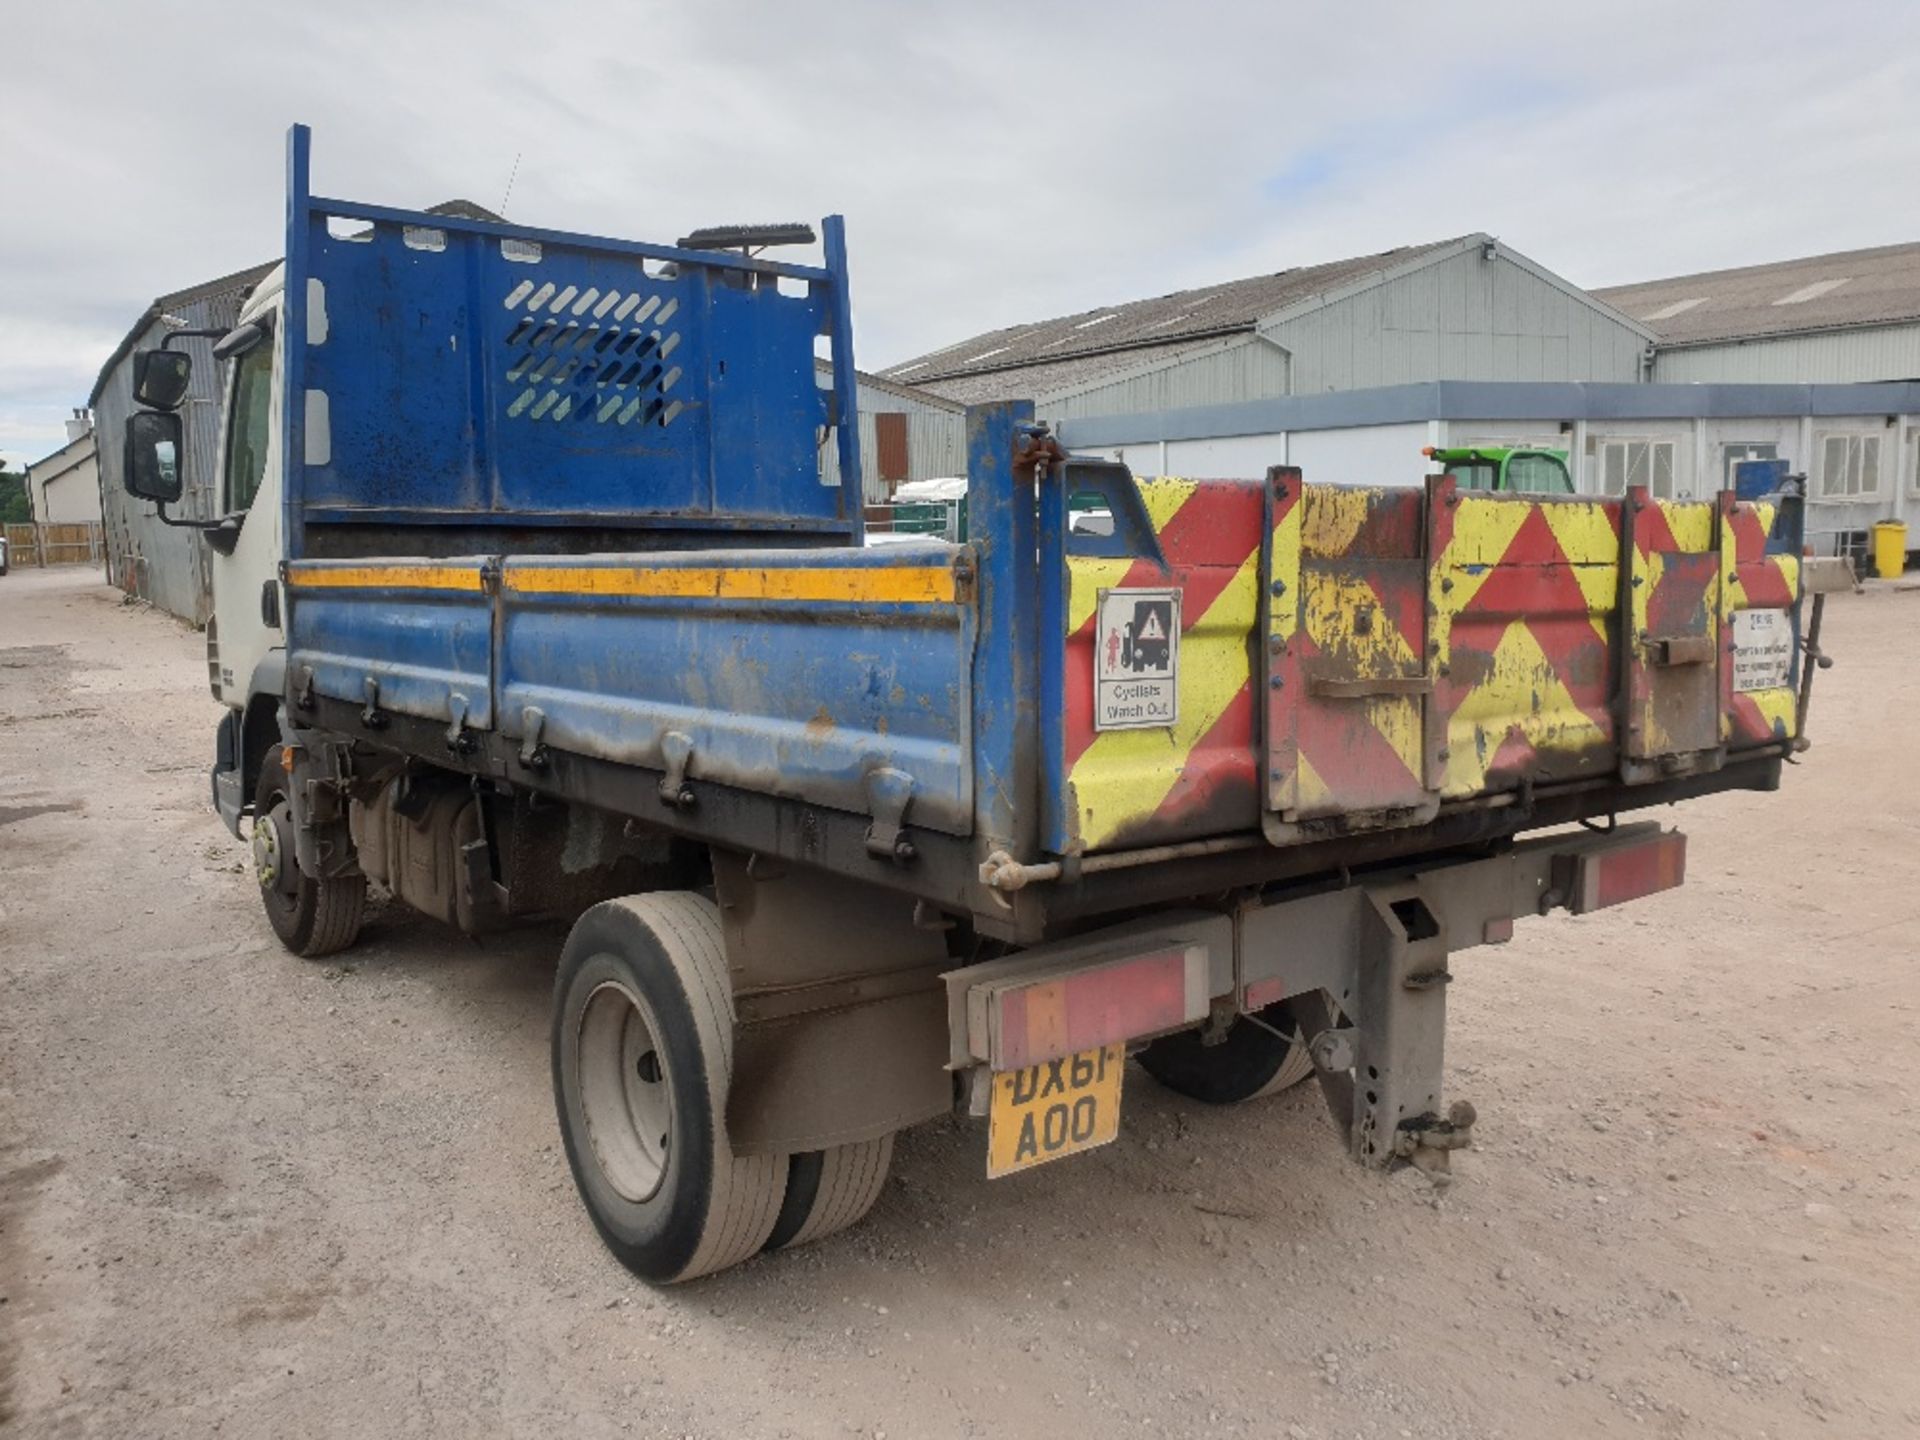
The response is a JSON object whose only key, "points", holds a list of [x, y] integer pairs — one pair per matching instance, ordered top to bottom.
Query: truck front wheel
{"points": [[312, 917], [642, 1058], [1250, 1062]]}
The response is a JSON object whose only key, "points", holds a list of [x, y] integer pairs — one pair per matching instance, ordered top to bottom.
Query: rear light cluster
{"points": [[1630, 872], [1104, 1005]]}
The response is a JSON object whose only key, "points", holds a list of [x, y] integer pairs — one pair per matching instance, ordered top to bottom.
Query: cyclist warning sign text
{"points": [[1136, 663]]}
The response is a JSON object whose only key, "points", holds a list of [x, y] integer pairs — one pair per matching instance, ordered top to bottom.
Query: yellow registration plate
{"points": [[1054, 1109]]}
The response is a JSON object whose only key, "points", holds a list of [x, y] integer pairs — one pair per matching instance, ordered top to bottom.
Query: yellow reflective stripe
{"points": [[385, 577], [891, 584]]}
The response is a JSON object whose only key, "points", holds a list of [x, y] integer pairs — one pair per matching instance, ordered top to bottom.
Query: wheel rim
{"points": [[273, 863], [624, 1096]]}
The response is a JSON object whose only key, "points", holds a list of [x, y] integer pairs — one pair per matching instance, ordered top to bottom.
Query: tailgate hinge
{"points": [[459, 739], [533, 750], [676, 750], [889, 793]]}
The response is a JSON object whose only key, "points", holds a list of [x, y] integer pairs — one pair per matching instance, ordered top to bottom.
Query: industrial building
{"points": [[1469, 308], [1823, 320], [1350, 369], [905, 434], [162, 563]]}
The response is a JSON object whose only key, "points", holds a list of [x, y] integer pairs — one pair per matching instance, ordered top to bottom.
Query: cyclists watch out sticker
{"points": [[1136, 663]]}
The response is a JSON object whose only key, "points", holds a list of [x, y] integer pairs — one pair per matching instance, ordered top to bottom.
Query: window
{"points": [[247, 425], [1734, 451], [1621, 463], [1849, 466], [1474, 474], [1538, 475]]}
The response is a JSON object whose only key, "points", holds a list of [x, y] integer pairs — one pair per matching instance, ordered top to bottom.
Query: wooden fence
{"points": [[72, 544]]}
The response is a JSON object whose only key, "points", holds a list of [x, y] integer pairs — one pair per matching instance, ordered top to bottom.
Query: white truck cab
{"points": [[245, 646]]}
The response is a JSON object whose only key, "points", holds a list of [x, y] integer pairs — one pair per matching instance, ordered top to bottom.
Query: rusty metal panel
{"points": [[890, 443], [1522, 595], [1671, 655], [1347, 681]]}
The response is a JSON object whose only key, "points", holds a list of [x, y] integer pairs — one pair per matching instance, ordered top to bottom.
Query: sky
{"points": [[997, 163]]}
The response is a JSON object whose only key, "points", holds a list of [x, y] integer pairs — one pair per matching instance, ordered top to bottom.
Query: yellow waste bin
{"points": [[1889, 548]]}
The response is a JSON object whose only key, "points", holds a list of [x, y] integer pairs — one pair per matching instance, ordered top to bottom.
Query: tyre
{"points": [[311, 917], [642, 1059], [1252, 1061], [828, 1190]]}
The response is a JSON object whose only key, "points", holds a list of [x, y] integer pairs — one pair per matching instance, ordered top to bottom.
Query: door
{"points": [[247, 487]]}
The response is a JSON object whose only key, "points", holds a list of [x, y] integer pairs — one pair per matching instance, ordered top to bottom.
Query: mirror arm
{"points": [[173, 335], [160, 507]]}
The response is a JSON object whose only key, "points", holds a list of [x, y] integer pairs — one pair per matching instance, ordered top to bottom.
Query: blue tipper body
{"points": [[569, 490]]}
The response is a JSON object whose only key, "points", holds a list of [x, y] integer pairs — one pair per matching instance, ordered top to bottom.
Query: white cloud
{"points": [[997, 162]]}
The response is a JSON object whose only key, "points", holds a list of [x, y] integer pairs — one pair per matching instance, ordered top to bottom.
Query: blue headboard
{"points": [[441, 370]]}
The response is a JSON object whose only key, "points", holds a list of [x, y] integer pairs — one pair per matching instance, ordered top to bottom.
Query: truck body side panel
{"points": [[418, 631], [793, 673]]}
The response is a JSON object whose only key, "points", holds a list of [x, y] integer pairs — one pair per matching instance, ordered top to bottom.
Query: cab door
{"points": [[247, 603]]}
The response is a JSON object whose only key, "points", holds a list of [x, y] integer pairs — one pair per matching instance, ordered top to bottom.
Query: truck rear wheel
{"points": [[312, 917], [642, 1059], [1252, 1061], [828, 1190]]}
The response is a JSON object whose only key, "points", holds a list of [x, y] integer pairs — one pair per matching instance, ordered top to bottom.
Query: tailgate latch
{"points": [[1681, 650]]}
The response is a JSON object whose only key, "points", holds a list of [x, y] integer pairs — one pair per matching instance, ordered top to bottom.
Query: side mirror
{"points": [[161, 377], [152, 459]]}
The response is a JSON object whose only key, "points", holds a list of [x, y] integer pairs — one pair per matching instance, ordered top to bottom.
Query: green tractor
{"points": [[1503, 469]]}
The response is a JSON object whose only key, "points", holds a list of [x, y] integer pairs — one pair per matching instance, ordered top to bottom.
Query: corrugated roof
{"points": [[1821, 292], [1208, 311], [1030, 382], [887, 387]]}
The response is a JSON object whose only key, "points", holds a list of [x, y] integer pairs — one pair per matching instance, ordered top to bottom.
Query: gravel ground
{"points": [[243, 1194]]}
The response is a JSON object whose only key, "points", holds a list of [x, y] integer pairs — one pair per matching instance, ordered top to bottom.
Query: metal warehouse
{"points": [[1469, 308], [1827, 319], [1350, 369], [162, 563]]}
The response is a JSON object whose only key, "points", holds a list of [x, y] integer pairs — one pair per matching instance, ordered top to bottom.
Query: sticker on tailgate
{"points": [[1762, 649], [1136, 661]]}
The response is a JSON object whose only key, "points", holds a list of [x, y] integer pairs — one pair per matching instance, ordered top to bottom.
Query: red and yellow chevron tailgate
{"points": [[1419, 647]]}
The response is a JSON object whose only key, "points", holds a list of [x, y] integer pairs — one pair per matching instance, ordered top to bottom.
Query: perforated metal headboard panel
{"points": [[454, 371]]}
